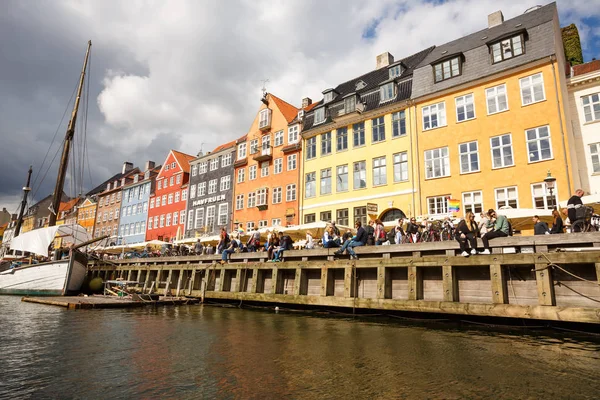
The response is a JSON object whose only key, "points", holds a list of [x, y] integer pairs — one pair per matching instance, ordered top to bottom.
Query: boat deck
{"points": [[80, 302]]}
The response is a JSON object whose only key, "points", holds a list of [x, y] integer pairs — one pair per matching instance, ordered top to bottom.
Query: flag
{"points": [[453, 205]]}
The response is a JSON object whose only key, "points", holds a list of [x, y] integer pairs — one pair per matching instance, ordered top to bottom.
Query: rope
{"points": [[551, 264], [575, 291]]}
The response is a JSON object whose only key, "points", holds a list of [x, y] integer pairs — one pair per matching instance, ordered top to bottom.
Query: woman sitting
{"points": [[557, 225], [467, 233], [329, 239], [310, 243]]}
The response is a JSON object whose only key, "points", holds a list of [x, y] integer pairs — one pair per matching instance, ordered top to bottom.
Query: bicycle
{"points": [[583, 220], [447, 232]]}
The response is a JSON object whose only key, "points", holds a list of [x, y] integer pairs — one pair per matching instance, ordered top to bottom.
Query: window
{"points": [[507, 49], [447, 69], [395, 71], [532, 89], [386, 92], [328, 96], [496, 99], [350, 104], [591, 107], [465, 108], [319, 115], [434, 116], [264, 120], [399, 124], [378, 129], [358, 132], [293, 134], [278, 138], [342, 139], [326, 143], [266, 144], [254, 146], [539, 147], [311, 148], [241, 151], [502, 155], [595, 155], [469, 157], [226, 160], [291, 162], [437, 163], [214, 164], [173, 165], [278, 166], [203, 167], [401, 167], [264, 169], [379, 171], [252, 172], [241, 175], [360, 175], [178, 179], [171, 181], [326, 181], [225, 183], [160, 184], [212, 186], [201, 189], [311, 189], [193, 192], [290, 192], [184, 194], [277, 195], [177, 197], [261, 197], [507, 197], [541, 198], [170, 199], [251, 199], [164, 200], [472, 201], [239, 202], [152, 203], [437, 205], [223, 209], [360, 214], [110, 216], [325, 216], [342, 216], [182, 217], [175, 218], [210, 218], [309, 218], [162, 221], [156, 222], [276, 222], [168, 223], [263, 223], [190, 224], [149, 225], [142, 226], [249, 226]]}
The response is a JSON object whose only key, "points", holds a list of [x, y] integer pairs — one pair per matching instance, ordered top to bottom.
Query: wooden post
{"points": [[598, 272], [129, 274], [158, 274], [222, 274], [543, 278], [192, 280], [146, 281], [179, 281], [238, 281], [298, 281], [324, 281], [381, 282], [253, 283], [415, 283], [449, 283], [348, 284], [275, 285], [168, 286], [499, 288]]}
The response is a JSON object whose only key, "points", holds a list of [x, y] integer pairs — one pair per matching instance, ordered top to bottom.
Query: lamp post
{"points": [[550, 184]]}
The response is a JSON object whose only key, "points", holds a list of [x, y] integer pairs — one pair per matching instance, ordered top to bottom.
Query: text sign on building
{"points": [[208, 200], [372, 208]]}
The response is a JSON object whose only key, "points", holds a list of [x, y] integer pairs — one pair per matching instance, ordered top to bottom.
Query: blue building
{"points": [[134, 206]]}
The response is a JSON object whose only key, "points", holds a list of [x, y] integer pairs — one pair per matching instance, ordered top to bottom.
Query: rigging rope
{"points": [[551, 264]]}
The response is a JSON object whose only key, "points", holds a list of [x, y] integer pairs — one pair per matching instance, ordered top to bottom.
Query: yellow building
{"points": [[490, 120], [356, 147]]}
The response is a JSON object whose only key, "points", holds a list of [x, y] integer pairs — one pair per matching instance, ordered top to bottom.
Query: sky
{"points": [[187, 75]]}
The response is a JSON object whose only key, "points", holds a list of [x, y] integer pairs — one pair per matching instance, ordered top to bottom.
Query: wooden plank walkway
{"points": [[81, 302]]}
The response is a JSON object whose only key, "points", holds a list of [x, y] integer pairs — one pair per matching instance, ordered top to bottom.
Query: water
{"points": [[193, 352]]}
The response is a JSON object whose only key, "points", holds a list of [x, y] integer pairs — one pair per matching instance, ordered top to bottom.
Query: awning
{"points": [[38, 240]]}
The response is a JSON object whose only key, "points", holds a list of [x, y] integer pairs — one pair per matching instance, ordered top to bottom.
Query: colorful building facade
{"points": [[267, 168], [166, 213], [86, 214]]}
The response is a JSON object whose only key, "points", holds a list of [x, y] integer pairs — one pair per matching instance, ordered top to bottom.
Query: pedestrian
{"points": [[572, 205], [557, 224], [497, 227], [539, 227], [370, 233], [467, 233], [380, 235], [360, 239], [285, 243], [273, 245]]}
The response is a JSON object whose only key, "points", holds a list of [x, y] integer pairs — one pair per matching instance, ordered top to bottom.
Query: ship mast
{"points": [[64, 160], [26, 191]]}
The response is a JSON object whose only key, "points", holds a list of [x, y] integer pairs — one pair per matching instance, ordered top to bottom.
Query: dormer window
{"points": [[507, 48], [447, 69], [395, 71], [360, 84], [386, 92], [327, 97], [349, 104], [300, 115], [320, 115], [264, 122], [136, 178]]}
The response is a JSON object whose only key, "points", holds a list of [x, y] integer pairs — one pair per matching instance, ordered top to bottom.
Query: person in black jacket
{"points": [[572, 205], [557, 225], [539, 227], [370, 233], [467, 233], [360, 239], [285, 243]]}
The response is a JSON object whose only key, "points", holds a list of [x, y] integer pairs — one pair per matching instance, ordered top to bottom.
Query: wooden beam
{"points": [[221, 279], [238, 281], [275, 281], [298, 281], [324, 281], [348, 282], [381, 282], [253, 283], [415, 283], [449, 283], [545, 284], [499, 287]]}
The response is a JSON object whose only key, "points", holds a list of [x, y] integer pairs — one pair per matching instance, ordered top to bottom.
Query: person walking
{"points": [[572, 205], [557, 224], [497, 227], [467, 233], [379, 234], [358, 240], [226, 254]]}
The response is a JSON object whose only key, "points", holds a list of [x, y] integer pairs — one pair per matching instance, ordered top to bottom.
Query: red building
{"points": [[166, 213]]}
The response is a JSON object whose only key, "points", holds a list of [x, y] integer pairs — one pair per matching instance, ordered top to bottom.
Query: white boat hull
{"points": [[57, 278]]}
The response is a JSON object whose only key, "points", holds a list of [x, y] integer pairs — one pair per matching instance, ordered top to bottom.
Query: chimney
{"points": [[495, 19], [384, 59], [307, 101], [149, 165], [127, 166], [4, 210]]}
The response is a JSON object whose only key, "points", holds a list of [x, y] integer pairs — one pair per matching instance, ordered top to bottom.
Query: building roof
{"points": [[586, 68], [289, 111], [225, 146], [183, 159], [101, 187], [68, 205]]}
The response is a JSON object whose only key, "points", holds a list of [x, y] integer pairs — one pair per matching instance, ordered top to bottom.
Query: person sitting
{"points": [[572, 205], [483, 223], [557, 224], [497, 227], [540, 227], [370, 228], [336, 230], [412, 230], [467, 233], [347, 235], [380, 235], [329, 239], [360, 239], [285, 243], [310, 243], [253, 244], [273, 245], [198, 248], [210, 249], [226, 253]]}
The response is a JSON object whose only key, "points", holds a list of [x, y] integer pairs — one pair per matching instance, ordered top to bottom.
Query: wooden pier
{"points": [[550, 277], [81, 302]]}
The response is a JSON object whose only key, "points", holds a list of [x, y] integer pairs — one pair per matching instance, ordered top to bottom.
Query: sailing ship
{"points": [[65, 273]]}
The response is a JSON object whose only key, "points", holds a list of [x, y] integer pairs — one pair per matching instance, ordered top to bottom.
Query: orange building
{"points": [[267, 167], [86, 214]]}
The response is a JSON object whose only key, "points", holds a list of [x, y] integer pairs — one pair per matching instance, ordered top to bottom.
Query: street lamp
{"points": [[550, 184]]}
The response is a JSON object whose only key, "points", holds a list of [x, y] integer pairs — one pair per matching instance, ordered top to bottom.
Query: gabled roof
{"points": [[586, 68], [289, 111], [225, 146], [183, 160], [101, 187], [68, 205]]}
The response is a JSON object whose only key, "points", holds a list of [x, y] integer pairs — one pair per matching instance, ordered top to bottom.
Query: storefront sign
{"points": [[208, 200], [372, 208]]}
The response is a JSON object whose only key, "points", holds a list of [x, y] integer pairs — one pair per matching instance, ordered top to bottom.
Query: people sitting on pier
{"points": [[572, 205], [483, 222], [557, 222], [497, 227], [540, 227], [370, 228], [336, 230], [412, 230], [467, 233], [380, 235], [347, 236], [360, 239], [330, 240], [223, 241], [269, 241], [253, 243], [285, 243], [310, 243], [273, 245], [198, 248], [210, 249], [227, 251]]}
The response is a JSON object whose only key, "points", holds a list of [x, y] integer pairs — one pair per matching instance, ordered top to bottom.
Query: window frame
{"points": [[501, 50], [442, 63], [532, 90], [387, 92], [495, 97], [591, 103], [465, 105], [319, 112], [441, 119], [399, 124], [378, 129], [358, 131], [278, 138], [341, 139], [538, 141], [311, 148], [326, 148], [241, 151], [468, 153], [512, 153], [594, 154], [292, 159], [445, 159], [399, 164], [278, 166], [379, 172], [358, 174], [337, 178], [325, 183], [310, 185], [505, 189], [290, 192], [277, 195], [546, 197], [472, 202], [444, 205]]}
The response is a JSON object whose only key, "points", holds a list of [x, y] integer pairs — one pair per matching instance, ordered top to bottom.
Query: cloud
{"points": [[177, 74]]}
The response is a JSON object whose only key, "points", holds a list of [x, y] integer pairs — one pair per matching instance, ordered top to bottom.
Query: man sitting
{"points": [[572, 205], [497, 227], [540, 227], [360, 239], [285, 243], [198, 248]]}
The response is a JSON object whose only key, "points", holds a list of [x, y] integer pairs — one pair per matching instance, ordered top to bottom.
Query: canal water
{"points": [[194, 352]]}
